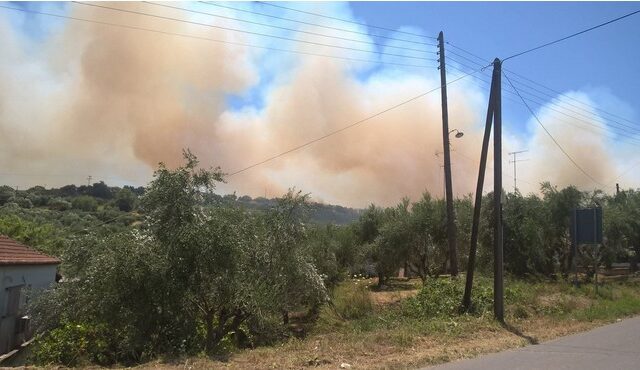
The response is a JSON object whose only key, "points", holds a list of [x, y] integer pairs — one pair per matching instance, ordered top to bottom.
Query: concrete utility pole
{"points": [[515, 161], [451, 225], [498, 277]]}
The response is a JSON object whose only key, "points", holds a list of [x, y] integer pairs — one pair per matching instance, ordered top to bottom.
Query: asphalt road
{"points": [[615, 346]]}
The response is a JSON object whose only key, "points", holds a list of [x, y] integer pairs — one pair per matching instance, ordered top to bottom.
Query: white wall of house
{"points": [[34, 276], [12, 277]]}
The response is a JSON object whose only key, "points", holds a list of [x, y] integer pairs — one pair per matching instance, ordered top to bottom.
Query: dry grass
{"points": [[411, 345], [384, 349]]}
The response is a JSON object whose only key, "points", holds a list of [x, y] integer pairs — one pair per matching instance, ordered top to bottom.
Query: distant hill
{"points": [[100, 198], [319, 213]]}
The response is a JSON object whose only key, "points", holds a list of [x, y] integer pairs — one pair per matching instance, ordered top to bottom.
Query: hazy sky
{"points": [[82, 98]]}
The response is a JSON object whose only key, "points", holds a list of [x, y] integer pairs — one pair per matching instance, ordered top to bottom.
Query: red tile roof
{"points": [[14, 253]]}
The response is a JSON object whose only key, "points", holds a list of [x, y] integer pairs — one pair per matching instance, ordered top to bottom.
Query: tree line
{"points": [[196, 275]]}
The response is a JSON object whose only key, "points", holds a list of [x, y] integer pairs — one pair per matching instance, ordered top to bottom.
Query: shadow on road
{"points": [[519, 333]]}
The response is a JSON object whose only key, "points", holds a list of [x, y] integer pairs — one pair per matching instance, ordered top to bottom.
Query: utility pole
{"points": [[494, 112], [515, 161], [444, 183], [617, 188], [451, 225], [498, 277], [466, 300]]}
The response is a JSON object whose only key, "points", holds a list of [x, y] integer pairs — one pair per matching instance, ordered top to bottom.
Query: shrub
{"points": [[125, 200], [24, 202], [85, 203], [59, 204], [441, 297], [352, 301], [70, 344]]}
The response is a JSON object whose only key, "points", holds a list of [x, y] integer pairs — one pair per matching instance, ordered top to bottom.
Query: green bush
{"points": [[125, 200], [24, 202], [85, 203], [59, 204], [442, 297], [70, 344]]}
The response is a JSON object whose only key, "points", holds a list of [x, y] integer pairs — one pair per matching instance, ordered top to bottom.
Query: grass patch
{"points": [[425, 327]]}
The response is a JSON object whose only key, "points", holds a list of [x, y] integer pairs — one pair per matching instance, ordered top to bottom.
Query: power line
{"points": [[346, 20], [317, 25], [283, 28], [251, 32], [166, 33], [570, 36], [555, 91], [569, 97], [520, 103], [591, 115], [343, 128], [620, 130], [551, 136], [488, 167], [625, 172]]}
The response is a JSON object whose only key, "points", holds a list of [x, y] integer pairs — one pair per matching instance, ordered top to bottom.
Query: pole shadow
{"points": [[518, 332]]}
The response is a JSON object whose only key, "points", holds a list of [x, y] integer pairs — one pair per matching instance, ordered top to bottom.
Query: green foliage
{"points": [[100, 190], [6, 193], [125, 200], [24, 202], [85, 203], [59, 204], [525, 223], [45, 237], [191, 279], [441, 297], [352, 300], [71, 344]]}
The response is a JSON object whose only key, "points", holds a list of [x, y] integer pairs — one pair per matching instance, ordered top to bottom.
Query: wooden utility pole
{"points": [[494, 113], [451, 225], [498, 278], [466, 300]]}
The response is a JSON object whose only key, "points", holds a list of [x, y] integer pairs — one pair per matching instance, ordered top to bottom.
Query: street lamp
{"points": [[459, 133]]}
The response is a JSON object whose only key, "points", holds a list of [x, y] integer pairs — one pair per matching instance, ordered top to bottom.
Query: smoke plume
{"points": [[90, 99]]}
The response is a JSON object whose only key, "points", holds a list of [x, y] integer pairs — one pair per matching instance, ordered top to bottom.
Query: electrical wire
{"points": [[345, 20], [317, 25], [136, 28], [285, 28], [251, 32], [570, 36], [519, 76], [555, 112], [630, 132], [551, 136], [298, 147], [487, 166], [624, 173]]}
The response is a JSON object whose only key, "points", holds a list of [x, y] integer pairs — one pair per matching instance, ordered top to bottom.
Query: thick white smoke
{"points": [[96, 100]]}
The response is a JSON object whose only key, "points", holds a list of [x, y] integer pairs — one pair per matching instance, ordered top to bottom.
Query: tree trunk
{"points": [[636, 258], [210, 339]]}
